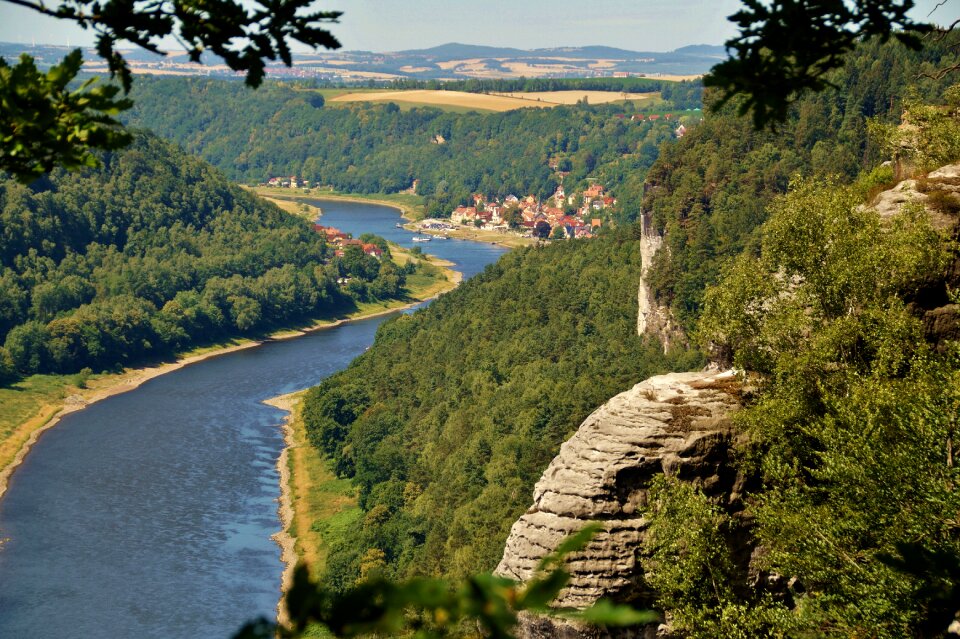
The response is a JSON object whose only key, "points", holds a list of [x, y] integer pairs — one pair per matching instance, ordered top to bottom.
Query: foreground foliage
{"points": [[788, 47], [46, 123], [43, 125], [852, 432], [481, 605]]}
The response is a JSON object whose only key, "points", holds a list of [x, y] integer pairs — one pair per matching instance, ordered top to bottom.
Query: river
{"points": [[149, 514]]}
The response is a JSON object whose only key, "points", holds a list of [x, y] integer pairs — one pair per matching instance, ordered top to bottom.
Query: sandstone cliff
{"points": [[653, 318], [676, 424]]}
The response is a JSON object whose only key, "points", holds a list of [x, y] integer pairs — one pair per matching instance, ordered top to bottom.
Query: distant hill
{"points": [[703, 49], [457, 51], [451, 61]]}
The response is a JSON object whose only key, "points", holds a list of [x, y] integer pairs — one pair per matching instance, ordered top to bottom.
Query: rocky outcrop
{"points": [[939, 194], [652, 318], [676, 424]]}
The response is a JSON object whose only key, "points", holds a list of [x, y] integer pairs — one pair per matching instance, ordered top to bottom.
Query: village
{"points": [[562, 215], [341, 241]]}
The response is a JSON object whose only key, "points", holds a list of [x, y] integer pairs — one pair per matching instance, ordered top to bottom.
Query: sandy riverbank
{"points": [[407, 212], [506, 240], [284, 538]]}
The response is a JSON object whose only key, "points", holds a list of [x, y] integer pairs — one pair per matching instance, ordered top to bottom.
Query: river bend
{"points": [[149, 514]]}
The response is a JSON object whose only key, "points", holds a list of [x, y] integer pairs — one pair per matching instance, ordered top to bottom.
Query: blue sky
{"points": [[391, 25]]}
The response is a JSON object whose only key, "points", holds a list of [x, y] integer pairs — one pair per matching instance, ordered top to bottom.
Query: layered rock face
{"points": [[676, 424]]}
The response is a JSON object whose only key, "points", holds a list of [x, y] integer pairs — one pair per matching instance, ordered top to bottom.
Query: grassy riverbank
{"points": [[410, 205], [296, 207], [35, 403], [315, 506]]}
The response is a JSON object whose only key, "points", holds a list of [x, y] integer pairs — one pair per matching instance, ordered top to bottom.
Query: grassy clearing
{"points": [[300, 209], [28, 405], [322, 503]]}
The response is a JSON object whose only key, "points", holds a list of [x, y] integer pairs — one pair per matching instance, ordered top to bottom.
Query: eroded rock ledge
{"points": [[676, 424]]}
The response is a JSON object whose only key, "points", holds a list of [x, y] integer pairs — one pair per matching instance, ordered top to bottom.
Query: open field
{"points": [[572, 97], [477, 101], [487, 101]]}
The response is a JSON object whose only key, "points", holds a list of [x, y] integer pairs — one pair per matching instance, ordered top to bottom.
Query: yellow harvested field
{"points": [[450, 64], [535, 70], [572, 97], [444, 98], [490, 101]]}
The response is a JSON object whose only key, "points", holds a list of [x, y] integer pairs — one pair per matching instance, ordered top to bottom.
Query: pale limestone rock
{"points": [[675, 424]]}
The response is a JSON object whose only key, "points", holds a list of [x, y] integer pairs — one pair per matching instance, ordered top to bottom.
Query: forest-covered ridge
{"points": [[283, 130], [709, 193], [156, 251], [847, 323], [447, 421], [417, 439]]}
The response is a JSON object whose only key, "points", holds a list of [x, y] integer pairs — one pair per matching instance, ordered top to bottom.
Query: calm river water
{"points": [[149, 514]]}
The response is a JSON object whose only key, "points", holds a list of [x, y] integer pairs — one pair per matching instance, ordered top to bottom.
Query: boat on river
{"points": [[422, 238]]}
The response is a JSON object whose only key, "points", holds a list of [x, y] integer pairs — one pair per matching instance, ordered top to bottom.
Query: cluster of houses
{"points": [[680, 131], [291, 182], [529, 213], [341, 240]]}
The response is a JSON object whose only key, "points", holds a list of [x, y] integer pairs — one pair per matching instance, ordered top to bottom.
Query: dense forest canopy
{"points": [[283, 130], [708, 194], [152, 252], [451, 416], [849, 432]]}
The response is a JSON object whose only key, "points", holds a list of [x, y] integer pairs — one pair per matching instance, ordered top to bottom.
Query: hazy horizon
{"points": [[382, 26], [126, 46]]}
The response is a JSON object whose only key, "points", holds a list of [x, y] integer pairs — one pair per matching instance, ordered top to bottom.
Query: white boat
{"points": [[399, 225], [422, 238]]}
